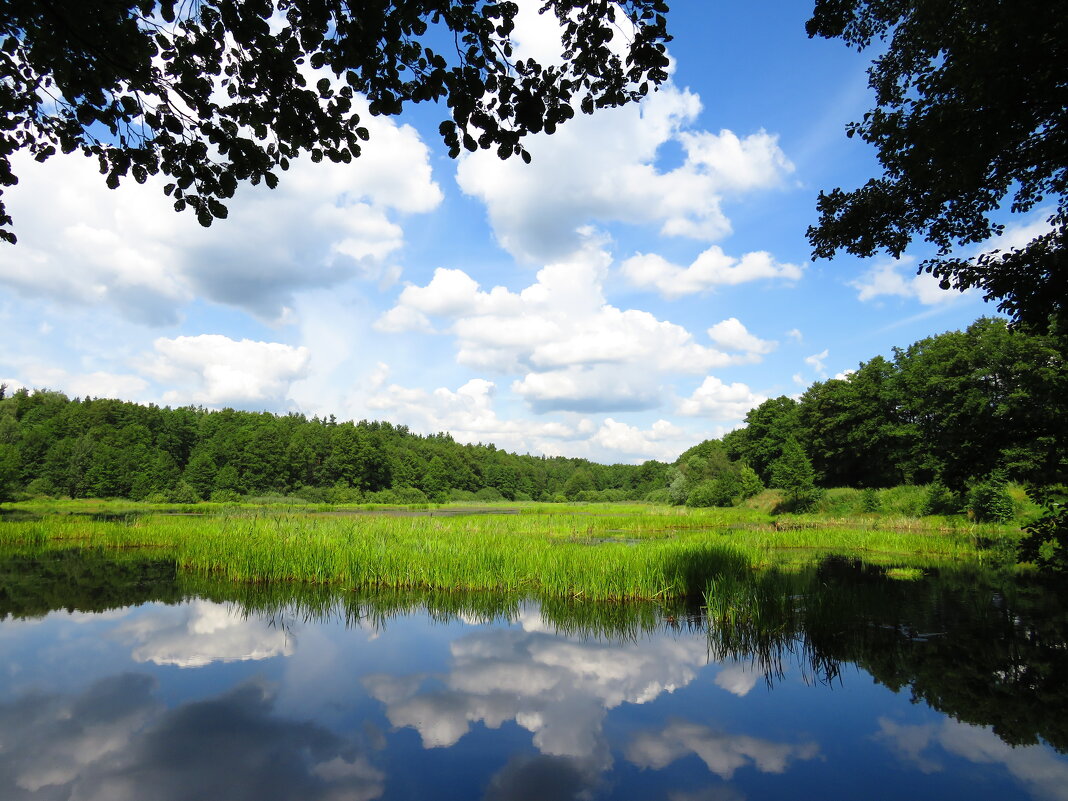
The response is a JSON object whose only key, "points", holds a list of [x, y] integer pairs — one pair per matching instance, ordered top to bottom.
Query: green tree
{"points": [[216, 92], [970, 118], [793, 472], [580, 481]]}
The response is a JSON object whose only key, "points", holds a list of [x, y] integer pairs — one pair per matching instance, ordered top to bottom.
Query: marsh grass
{"points": [[582, 552]]}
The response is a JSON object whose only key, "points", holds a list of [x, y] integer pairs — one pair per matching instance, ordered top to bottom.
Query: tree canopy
{"points": [[216, 92], [971, 118]]}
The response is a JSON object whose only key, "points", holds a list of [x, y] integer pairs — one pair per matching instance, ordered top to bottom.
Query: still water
{"points": [[124, 681]]}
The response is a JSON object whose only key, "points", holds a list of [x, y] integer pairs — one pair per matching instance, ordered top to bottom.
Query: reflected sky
{"points": [[213, 700]]}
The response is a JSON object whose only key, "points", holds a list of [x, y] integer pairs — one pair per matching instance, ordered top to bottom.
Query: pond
{"points": [[123, 680]]}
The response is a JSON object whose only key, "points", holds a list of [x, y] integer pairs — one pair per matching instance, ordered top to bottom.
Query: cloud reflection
{"points": [[201, 632], [560, 689], [116, 742], [723, 753], [1035, 766]]}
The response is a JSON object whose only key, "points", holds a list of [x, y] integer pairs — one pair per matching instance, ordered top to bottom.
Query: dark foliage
{"points": [[218, 92], [971, 118]]}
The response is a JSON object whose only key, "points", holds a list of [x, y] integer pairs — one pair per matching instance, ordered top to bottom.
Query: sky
{"points": [[636, 289]]}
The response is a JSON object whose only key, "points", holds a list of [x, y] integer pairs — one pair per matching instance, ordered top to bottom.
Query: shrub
{"points": [[749, 483], [183, 493], [311, 494], [409, 495], [489, 495], [702, 495], [225, 496], [462, 496], [522, 496], [658, 496], [869, 500], [940, 500], [989, 501], [1046, 543]]}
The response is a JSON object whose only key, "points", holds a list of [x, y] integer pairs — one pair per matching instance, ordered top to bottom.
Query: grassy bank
{"points": [[603, 551]]}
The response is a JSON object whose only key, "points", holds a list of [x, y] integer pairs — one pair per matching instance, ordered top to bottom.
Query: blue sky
{"points": [[636, 289]]}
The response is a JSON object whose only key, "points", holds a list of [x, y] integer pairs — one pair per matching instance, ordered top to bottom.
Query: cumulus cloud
{"points": [[602, 168], [127, 250], [710, 269], [892, 278], [730, 334], [575, 351], [215, 370], [97, 384], [720, 401], [468, 413], [663, 440], [722, 753]]}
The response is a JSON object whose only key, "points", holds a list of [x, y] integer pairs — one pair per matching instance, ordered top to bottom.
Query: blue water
{"points": [[209, 700]]}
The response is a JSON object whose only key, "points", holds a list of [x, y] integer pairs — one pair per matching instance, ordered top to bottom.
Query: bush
{"points": [[749, 483], [42, 487], [183, 493], [312, 494], [343, 494], [409, 495], [489, 495], [703, 495], [225, 496], [461, 496], [522, 496], [658, 496], [939, 499], [869, 500], [989, 501], [1046, 543]]}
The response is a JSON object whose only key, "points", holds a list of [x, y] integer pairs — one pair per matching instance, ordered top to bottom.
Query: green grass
{"points": [[592, 552]]}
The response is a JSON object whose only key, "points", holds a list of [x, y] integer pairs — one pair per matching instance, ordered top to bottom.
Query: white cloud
{"points": [[602, 168], [81, 243], [710, 269], [889, 278], [730, 334], [795, 334], [573, 350], [817, 361], [215, 370], [98, 384], [720, 401], [468, 413], [663, 440]]}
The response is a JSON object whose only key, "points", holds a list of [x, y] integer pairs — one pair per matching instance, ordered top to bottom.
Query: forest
{"points": [[952, 411]]}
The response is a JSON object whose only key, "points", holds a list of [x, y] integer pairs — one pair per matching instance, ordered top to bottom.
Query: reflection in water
{"points": [[199, 632], [559, 689], [471, 696], [116, 742], [722, 753]]}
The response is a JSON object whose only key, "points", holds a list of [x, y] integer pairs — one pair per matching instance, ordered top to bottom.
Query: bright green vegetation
{"points": [[603, 552]]}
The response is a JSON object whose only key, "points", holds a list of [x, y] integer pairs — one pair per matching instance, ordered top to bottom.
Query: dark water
{"points": [[121, 680]]}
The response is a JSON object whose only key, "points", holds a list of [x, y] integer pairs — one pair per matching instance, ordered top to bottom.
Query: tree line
{"points": [[956, 409], [953, 410], [52, 445]]}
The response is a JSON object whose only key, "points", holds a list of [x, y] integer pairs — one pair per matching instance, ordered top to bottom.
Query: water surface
{"points": [[122, 680]]}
